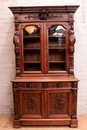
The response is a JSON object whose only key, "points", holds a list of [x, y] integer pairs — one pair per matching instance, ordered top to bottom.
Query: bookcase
{"points": [[45, 87]]}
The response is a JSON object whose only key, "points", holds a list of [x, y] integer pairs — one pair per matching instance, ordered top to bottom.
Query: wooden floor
{"points": [[6, 123]]}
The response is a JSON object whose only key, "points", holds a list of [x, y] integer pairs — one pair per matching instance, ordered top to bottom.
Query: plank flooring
{"points": [[6, 123]]}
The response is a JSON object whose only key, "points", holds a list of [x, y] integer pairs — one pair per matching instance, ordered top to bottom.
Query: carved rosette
{"points": [[72, 40], [17, 49], [74, 100], [16, 108]]}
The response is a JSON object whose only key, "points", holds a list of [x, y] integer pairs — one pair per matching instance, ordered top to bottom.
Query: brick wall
{"points": [[7, 62]]}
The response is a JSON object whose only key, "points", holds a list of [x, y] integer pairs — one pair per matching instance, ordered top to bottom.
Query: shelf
{"points": [[32, 36], [53, 36], [57, 47], [32, 48], [57, 61], [30, 62]]}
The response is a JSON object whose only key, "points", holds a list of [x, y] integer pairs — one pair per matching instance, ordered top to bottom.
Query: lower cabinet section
{"points": [[45, 106]]}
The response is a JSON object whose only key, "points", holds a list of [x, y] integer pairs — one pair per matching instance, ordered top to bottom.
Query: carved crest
{"points": [[43, 15]]}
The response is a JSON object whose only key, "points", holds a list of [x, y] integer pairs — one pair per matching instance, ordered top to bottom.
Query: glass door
{"points": [[56, 42], [32, 43]]}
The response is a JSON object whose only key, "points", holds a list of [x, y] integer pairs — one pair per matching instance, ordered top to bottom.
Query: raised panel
{"points": [[32, 104], [59, 104]]}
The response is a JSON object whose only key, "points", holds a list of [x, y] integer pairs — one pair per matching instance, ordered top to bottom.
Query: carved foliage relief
{"points": [[43, 15], [32, 103], [58, 103]]}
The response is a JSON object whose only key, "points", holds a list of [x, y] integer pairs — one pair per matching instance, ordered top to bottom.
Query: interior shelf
{"points": [[32, 36], [32, 48], [57, 61], [31, 62]]}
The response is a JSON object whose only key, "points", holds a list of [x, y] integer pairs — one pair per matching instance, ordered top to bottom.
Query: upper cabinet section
{"points": [[49, 13], [44, 40]]}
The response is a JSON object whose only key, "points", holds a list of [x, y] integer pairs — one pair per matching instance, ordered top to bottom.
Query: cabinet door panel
{"points": [[32, 104], [59, 104]]}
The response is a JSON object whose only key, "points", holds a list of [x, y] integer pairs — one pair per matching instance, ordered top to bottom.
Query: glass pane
{"points": [[31, 43], [57, 48]]}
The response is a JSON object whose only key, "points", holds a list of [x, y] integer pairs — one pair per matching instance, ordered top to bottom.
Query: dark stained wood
{"points": [[44, 88]]}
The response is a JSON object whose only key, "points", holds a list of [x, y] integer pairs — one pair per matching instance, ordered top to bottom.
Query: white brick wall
{"points": [[7, 63]]}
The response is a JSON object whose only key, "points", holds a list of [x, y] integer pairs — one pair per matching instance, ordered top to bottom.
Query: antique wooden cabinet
{"points": [[44, 88]]}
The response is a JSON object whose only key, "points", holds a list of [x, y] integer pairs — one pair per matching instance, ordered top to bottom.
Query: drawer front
{"points": [[59, 84], [27, 85], [43, 85]]}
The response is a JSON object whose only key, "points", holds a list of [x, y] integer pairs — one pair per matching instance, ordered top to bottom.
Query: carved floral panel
{"points": [[31, 103], [58, 103]]}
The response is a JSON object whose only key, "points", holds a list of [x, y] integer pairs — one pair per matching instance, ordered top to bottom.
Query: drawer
{"points": [[59, 84], [27, 85]]}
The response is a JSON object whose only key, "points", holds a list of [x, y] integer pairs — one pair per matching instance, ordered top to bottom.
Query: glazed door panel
{"points": [[32, 48], [57, 50], [59, 103], [32, 104]]}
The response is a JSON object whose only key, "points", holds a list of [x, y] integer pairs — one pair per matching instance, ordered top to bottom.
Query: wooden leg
{"points": [[74, 123], [17, 124]]}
